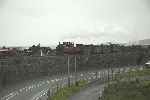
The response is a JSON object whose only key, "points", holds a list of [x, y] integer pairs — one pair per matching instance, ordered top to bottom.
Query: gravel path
{"points": [[91, 92]]}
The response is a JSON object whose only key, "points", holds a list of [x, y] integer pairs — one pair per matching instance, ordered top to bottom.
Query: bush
{"points": [[128, 90], [64, 93]]}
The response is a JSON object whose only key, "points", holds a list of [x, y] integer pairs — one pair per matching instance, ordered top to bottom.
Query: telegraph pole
{"points": [[69, 50], [75, 63], [68, 71], [76, 83]]}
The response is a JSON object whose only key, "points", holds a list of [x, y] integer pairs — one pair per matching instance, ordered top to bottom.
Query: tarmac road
{"points": [[31, 90], [91, 92]]}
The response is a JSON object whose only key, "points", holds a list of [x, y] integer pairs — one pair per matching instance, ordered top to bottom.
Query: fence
{"points": [[124, 74], [105, 76]]}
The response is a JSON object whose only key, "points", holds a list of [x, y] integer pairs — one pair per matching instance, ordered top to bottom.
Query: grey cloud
{"points": [[147, 2], [2, 3], [46, 21], [84, 35]]}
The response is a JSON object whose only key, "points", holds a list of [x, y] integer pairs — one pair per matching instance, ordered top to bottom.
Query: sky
{"points": [[28, 22]]}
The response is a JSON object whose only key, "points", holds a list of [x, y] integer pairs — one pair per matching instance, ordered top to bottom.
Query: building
{"points": [[67, 48], [7, 52], [147, 64]]}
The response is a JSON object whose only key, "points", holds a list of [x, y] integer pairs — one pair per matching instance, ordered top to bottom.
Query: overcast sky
{"points": [[27, 22]]}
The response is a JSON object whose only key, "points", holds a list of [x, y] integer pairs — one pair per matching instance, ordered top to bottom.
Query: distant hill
{"points": [[139, 42], [144, 42]]}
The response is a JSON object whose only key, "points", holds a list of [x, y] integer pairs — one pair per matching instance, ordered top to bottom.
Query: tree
{"points": [[4, 47], [111, 47], [35, 49], [102, 49]]}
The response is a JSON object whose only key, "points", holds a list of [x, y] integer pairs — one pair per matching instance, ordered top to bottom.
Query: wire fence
{"points": [[124, 74], [105, 76]]}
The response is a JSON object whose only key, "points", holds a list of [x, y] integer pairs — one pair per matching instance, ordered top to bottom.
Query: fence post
{"points": [[68, 71], [112, 73], [108, 74], [96, 75], [105, 77], [57, 88], [48, 94]]}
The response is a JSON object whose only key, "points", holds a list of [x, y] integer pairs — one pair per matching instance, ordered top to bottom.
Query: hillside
{"points": [[144, 42]]}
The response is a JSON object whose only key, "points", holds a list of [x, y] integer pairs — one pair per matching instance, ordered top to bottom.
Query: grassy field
{"points": [[133, 74], [138, 89], [133, 90], [64, 93]]}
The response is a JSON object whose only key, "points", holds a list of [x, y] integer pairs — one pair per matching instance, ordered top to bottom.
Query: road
{"points": [[34, 89], [31, 90], [94, 90], [91, 92]]}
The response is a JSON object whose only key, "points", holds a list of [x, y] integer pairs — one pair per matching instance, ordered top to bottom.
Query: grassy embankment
{"points": [[135, 74], [129, 89], [64, 93]]}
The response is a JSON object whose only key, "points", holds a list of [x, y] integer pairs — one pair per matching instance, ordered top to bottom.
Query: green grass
{"points": [[144, 72], [131, 74], [129, 89], [133, 90], [64, 93]]}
